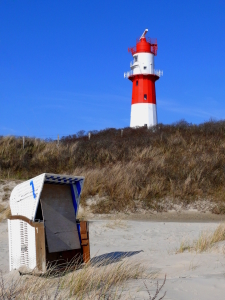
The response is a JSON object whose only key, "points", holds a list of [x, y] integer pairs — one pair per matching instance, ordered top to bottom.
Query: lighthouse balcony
{"points": [[158, 73], [128, 74]]}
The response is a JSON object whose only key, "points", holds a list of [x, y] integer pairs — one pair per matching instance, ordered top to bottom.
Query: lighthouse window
{"points": [[135, 58], [145, 67], [137, 82], [145, 96]]}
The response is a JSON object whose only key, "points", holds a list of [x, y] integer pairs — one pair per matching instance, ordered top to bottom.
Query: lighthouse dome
{"points": [[146, 45], [143, 46]]}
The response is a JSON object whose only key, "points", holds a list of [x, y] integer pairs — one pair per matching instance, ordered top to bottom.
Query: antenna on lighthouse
{"points": [[144, 33]]}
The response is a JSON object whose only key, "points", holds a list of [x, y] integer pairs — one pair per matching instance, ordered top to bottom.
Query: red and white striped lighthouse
{"points": [[143, 76]]}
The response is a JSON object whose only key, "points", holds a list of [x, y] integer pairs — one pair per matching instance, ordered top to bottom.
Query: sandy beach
{"points": [[152, 239], [190, 275]]}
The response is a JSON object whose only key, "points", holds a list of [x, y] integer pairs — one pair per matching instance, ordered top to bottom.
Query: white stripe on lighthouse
{"points": [[143, 63], [143, 114]]}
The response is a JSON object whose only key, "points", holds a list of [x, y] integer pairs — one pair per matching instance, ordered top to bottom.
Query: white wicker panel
{"points": [[25, 197], [10, 244], [14, 244], [22, 245], [32, 247], [24, 257]]}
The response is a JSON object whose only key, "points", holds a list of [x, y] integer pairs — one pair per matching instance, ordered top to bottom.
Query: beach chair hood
{"points": [[25, 197]]}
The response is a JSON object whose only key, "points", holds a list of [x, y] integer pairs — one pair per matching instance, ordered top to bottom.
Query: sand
{"points": [[152, 238], [155, 244], [4, 248], [189, 275]]}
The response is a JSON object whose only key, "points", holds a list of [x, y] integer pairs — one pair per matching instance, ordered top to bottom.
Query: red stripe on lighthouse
{"points": [[143, 90]]}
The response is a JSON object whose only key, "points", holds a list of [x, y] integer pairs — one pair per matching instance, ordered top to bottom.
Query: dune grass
{"points": [[182, 162], [205, 241], [103, 280]]}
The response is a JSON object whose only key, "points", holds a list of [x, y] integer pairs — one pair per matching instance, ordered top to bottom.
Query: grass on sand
{"points": [[205, 241], [101, 280]]}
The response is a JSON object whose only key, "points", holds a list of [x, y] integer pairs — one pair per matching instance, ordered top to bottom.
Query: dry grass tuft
{"points": [[6, 189], [5, 197], [2, 208], [5, 212], [205, 241], [184, 246], [103, 277], [102, 280], [158, 289]]}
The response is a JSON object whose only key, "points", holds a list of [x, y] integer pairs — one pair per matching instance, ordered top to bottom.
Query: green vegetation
{"points": [[180, 162]]}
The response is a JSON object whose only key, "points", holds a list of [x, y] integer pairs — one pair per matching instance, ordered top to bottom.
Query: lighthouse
{"points": [[143, 76]]}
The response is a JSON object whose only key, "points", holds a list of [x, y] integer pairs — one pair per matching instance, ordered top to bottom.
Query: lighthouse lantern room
{"points": [[143, 76]]}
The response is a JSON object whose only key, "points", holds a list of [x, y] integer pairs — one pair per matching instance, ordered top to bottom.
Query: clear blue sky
{"points": [[62, 62]]}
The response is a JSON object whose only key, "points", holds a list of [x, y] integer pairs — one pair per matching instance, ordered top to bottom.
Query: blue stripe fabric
{"points": [[78, 188], [74, 199], [78, 229]]}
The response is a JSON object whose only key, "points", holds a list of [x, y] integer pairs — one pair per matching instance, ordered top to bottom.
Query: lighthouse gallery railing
{"points": [[156, 72]]}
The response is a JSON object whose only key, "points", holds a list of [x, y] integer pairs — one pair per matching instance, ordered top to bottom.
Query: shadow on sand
{"points": [[112, 257]]}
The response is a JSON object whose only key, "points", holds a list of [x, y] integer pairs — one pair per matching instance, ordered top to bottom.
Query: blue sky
{"points": [[62, 63]]}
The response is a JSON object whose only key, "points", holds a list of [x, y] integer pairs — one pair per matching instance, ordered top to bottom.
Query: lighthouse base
{"points": [[143, 114]]}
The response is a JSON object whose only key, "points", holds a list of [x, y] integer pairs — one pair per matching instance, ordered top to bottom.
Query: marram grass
{"points": [[182, 162], [205, 241], [102, 280]]}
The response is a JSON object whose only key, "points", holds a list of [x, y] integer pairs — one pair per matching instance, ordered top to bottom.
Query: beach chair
{"points": [[43, 228]]}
